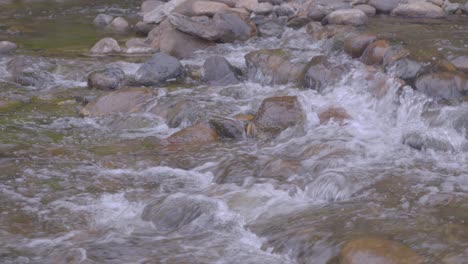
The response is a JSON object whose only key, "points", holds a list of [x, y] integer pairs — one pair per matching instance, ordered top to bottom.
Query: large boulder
{"points": [[384, 6], [367, 9], [419, 9], [160, 12], [353, 17], [103, 20], [223, 27], [169, 40], [106, 45], [355, 45], [7, 47], [375, 52], [273, 67], [407, 69], [158, 70], [218, 71], [32, 72], [320, 73], [107, 79], [445, 85], [124, 101], [277, 114], [196, 134], [377, 251]]}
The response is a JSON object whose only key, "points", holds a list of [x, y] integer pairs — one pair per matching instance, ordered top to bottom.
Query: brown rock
{"points": [[208, 8], [419, 9], [355, 45], [375, 52], [461, 63], [445, 85], [337, 114], [196, 134], [378, 251]]}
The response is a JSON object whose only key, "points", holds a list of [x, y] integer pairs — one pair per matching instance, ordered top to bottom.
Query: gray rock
{"points": [[273, 2], [149, 5], [384, 6], [263, 8], [452, 8], [367, 9], [284, 10], [419, 10], [318, 12], [158, 14], [346, 17], [103, 20], [119, 24], [143, 28], [271, 28], [106, 45], [137, 45], [7, 47], [461, 63], [407, 69], [158, 70], [218, 71], [30, 72], [320, 73], [108, 79], [444, 85], [227, 127]]}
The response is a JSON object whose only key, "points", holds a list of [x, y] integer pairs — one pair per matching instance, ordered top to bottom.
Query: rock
{"points": [[273, 2], [436, 2], [247, 4], [149, 5], [384, 6], [208, 8], [262, 8], [452, 8], [367, 9], [419, 9], [284, 10], [318, 12], [158, 14], [346, 17], [103, 20], [298, 22], [119, 24], [225, 27], [143, 28], [271, 28], [319, 32], [167, 39], [106, 45], [137, 45], [355, 45], [7, 47], [375, 52], [394, 53], [460, 62], [273, 67], [407, 69], [158, 70], [218, 71], [32, 72], [320, 73], [108, 79], [445, 85], [123, 101], [277, 114], [336, 114], [228, 127], [196, 134], [377, 251]]}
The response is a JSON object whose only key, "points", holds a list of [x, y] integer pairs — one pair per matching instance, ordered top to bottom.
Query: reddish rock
{"points": [[355, 45], [336, 114], [196, 134]]}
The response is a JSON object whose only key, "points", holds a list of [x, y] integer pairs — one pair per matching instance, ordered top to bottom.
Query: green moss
{"points": [[56, 137]]}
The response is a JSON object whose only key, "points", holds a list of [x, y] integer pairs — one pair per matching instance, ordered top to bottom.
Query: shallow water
{"points": [[100, 190]]}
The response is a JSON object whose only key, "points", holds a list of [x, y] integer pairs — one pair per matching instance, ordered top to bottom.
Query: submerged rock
{"points": [[419, 9], [353, 17], [103, 20], [106, 45], [355, 45], [7, 47], [374, 53], [461, 63], [158, 70], [218, 71], [32, 72], [319, 73], [108, 79], [444, 85], [123, 101], [277, 114], [335, 114], [228, 127], [196, 134], [378, 251]]}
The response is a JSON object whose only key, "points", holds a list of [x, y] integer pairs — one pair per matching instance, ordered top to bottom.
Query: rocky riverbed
{"points": [[234, 131]]}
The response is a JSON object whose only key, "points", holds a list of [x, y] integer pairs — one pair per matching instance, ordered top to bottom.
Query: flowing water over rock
{"points": [[369, 157]]}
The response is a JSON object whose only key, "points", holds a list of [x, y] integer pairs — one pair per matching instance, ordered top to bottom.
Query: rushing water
{"points": [[99, 190]]}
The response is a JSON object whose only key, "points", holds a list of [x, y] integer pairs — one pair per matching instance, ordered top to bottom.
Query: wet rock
{"points": [[273, 2], [247, 4], [149, 5], [384, 6], [208, 8], [262, 8], [452, 8], [367, 9], [419, 9], [284, 10], [318, 12], [158, 14], [346, 17], [103, 20], [298, 22], [119, 25], [226, 27], [143, 28], [271, 28], [319, 32], [169, 40], [106, 45], [137, 45], [355, 45], [7, 47], [375, 52], [394, 53], [461, 63], [273, 67], [159, 69], [407, 69], [218, 71], [30, 72], [320, 73], [108, 79], [445, 85], [123, 101], [277, 114], [335, 114], [227, 127], [196, 134], [422, 141], [280, 169], [378, 251]]}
